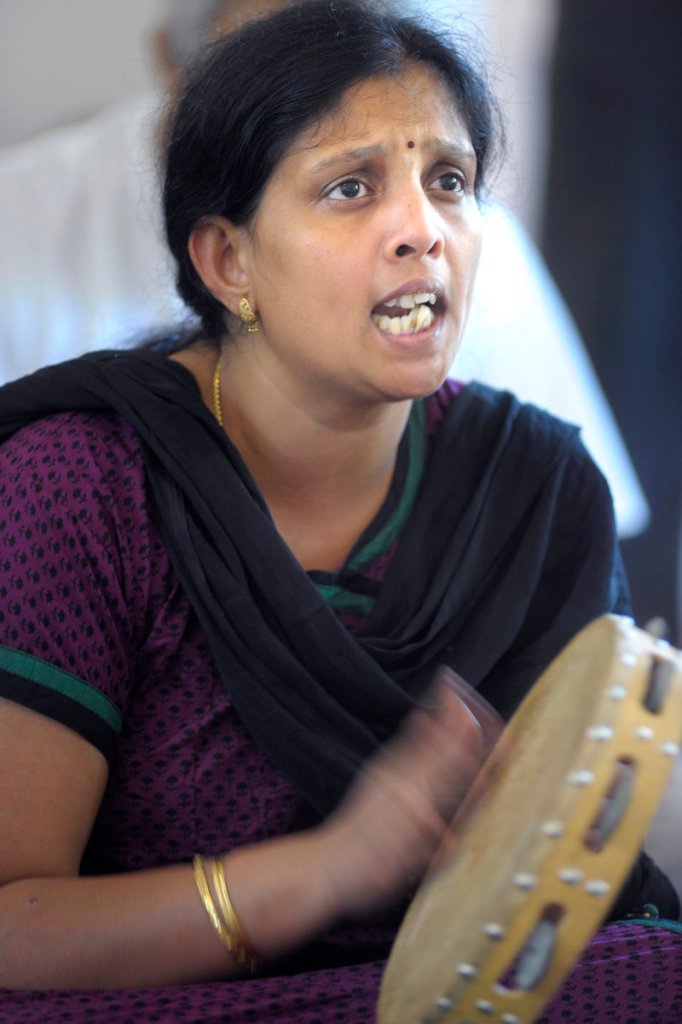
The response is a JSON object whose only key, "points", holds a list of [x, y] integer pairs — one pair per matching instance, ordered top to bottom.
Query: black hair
{"points": [[255, 91]]}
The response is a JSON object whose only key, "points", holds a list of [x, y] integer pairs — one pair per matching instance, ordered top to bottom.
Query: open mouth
{"points": [[406, 314]]}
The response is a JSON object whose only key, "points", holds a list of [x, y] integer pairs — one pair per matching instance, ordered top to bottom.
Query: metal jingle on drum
{"points": [[661, 677], [615, 804], [536, 955]]}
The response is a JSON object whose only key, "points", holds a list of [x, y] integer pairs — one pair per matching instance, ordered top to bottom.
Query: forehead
{"points": [[415, 102]]}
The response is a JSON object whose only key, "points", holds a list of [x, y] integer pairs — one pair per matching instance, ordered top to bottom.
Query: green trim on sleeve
{"points": [[27, 666]]}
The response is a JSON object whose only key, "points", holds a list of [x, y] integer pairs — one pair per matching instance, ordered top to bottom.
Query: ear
{"points": [[217, 249]]}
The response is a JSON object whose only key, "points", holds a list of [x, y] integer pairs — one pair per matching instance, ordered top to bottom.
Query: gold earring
{"points": [[248, 317]]}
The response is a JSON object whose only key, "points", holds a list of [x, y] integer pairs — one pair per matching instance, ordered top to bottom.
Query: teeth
{"points": [[410, 301], [418, 319]]}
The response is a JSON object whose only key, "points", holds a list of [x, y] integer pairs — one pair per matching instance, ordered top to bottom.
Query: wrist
{"points": [[280, 891]]}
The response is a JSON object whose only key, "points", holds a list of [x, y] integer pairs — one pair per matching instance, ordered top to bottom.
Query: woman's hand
{"points": [[381, 839]]}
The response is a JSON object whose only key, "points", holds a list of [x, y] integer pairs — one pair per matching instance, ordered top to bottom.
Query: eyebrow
{"points": [[451, 150], [455, 150], [349, 156]]}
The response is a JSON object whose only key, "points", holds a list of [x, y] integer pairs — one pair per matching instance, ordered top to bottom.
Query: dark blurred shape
{"points": [[612, 239]]}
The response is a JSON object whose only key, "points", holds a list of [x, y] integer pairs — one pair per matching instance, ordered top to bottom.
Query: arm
{"points": [[150, 928], [56, 929]]}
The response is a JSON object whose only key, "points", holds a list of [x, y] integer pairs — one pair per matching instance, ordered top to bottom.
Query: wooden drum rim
{"points": [[594, 744]]}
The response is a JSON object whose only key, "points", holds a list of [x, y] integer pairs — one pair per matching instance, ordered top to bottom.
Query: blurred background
{"points": [[61, 62], [592, 103]]}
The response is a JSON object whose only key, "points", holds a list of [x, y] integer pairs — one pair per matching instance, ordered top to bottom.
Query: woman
{"points": [[231, 574]]}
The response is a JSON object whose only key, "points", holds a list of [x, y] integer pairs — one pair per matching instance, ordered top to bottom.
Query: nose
{"points": [[414, 228]]}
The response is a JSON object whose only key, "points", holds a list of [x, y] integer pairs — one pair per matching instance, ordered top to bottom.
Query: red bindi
{"points": [[410, 144]]}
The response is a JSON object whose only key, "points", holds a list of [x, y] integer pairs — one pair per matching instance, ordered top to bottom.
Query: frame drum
{"points": [[565, 801]]}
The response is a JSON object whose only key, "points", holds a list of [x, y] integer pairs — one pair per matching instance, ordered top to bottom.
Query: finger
{"points": [[484, 711], [489, 720], [455, 726], [451, 755]]}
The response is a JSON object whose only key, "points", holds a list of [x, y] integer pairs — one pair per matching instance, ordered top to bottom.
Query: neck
{"points": [[290, 443], [324, 468]]}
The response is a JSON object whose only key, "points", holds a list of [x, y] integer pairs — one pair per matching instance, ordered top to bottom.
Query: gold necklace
{"points": [[217, 405]]}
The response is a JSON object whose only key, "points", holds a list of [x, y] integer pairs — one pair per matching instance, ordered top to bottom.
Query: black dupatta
{"points": [[509, 551]]}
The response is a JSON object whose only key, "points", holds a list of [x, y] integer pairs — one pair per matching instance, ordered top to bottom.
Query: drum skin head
{"points": [[553, 827]]}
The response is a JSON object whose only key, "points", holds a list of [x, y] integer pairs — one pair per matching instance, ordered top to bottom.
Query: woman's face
{"points": [[362, 256]]}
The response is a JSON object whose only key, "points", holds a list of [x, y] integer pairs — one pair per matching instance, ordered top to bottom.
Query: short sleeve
{"points": [[78, 560]]}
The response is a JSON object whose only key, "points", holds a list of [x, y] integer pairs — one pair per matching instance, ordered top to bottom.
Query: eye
{"points": [[450, 181], [350, 188]]}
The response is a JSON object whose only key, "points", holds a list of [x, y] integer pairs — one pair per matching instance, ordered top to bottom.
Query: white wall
{"points": [[62, 59]]}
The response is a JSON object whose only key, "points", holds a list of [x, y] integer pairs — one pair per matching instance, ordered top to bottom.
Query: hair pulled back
{"points": [[254, 91]]}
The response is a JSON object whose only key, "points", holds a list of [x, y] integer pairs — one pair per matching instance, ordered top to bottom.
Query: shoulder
{"points": [[491, 412], [72, 445], [516, 454], [78, 481], [85, 566]]}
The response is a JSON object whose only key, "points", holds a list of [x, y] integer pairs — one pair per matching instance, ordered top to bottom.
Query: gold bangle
{"points": [[201, 881], [243, 950]]}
